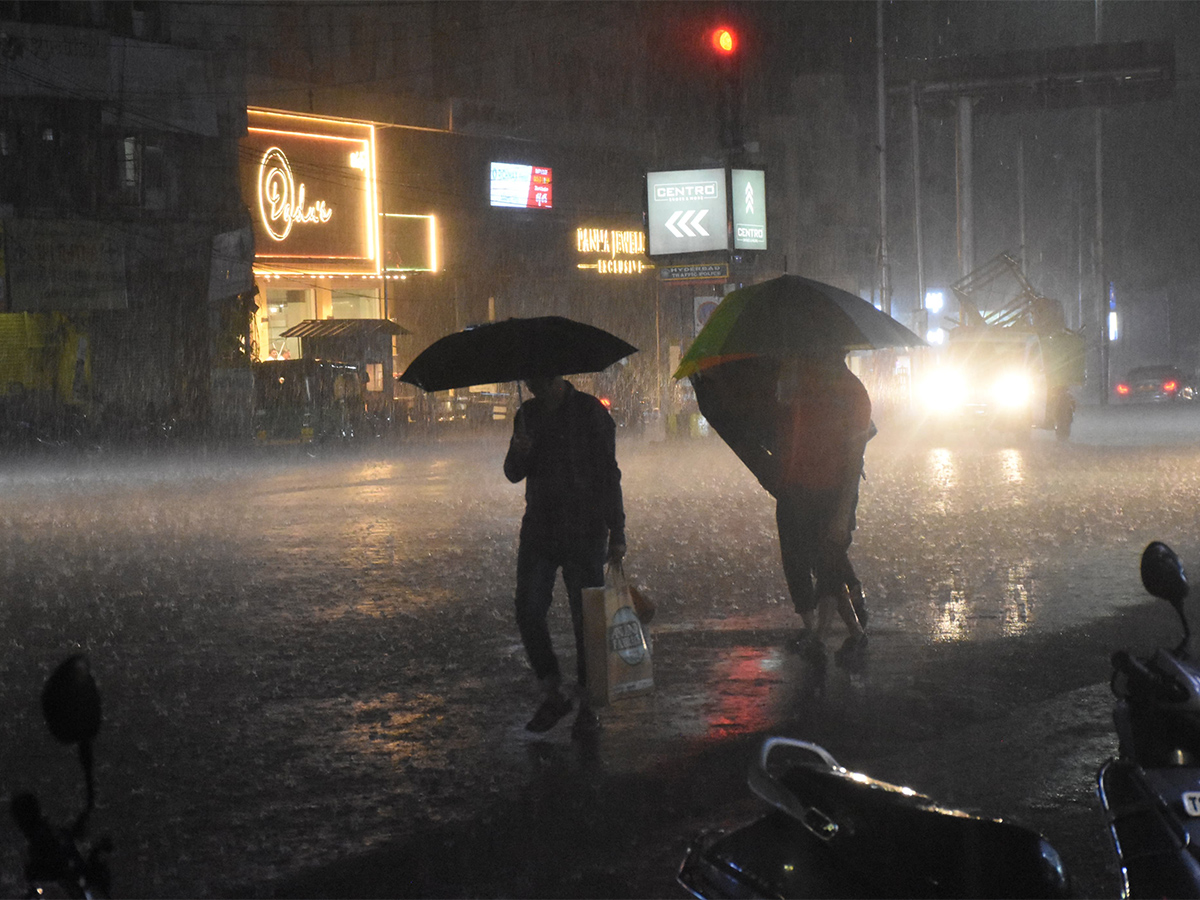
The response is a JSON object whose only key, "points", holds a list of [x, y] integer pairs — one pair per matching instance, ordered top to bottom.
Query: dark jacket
{"points": [[572, 481]]}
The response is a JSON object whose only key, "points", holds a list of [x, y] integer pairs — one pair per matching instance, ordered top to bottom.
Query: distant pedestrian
{"points": [[564, 447]]}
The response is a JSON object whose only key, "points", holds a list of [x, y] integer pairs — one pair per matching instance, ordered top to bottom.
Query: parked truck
{"points": [[1010, 362]]}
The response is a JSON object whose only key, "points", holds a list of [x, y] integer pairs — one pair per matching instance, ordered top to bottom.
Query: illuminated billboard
{"points": [[309, 182], [522, 187], [749, 190], [686, 211], [612, 251]]}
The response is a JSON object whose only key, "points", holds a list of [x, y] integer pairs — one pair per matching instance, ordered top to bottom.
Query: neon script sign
{"points": [[309, 182], [280, 202]]}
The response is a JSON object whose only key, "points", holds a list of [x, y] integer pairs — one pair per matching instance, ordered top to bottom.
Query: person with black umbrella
{"points": [[564, 447]]}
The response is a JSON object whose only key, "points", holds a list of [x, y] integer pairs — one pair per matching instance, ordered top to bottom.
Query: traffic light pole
{"points": [[885, 278], [1102, 286]]}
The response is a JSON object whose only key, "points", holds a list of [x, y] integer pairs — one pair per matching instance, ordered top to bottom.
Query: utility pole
{"points": [[966, 199], [1021, 199], [885, 278], [1102, 287], [922, 315]]}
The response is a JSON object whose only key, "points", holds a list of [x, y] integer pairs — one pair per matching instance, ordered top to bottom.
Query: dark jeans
{"points": [[802, 518], [536, 573]]}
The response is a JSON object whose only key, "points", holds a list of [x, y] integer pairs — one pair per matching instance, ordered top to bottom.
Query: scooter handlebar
{"points": [[1144, 680]]}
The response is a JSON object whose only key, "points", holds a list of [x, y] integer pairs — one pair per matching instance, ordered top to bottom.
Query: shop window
{"points": [[131, 169], [142, 180], [355, 305], [286, 307], [374, 372]]}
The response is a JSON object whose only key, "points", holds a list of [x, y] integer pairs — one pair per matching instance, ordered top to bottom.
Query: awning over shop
{"points": [[347, 329], [354, 341]]}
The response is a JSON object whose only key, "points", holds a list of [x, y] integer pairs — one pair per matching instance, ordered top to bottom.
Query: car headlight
{"points": [[1012, 390], [943, 391]]}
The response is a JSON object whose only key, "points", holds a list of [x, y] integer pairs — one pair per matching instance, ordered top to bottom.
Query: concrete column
{"points": [[966, 206]]}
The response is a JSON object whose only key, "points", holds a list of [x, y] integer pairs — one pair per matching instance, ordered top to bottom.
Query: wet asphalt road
{"points": [[313, 685]]}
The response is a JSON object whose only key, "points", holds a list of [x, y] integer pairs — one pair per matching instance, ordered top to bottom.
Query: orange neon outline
{"points": [[252, 111], [309, 134], [372, 236], [433, 241], [328, 256], [284, 272]]}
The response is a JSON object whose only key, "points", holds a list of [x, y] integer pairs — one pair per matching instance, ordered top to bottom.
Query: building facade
{"points": [[585, 99], [509, 146], [119, 206]]}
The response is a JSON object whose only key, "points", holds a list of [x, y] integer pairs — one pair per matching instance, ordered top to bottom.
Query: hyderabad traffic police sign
{"points": [[686, 211]]}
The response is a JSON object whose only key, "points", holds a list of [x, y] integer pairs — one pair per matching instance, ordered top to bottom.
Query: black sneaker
{"points": [[852, 654], [552, 709], [586, 722]]}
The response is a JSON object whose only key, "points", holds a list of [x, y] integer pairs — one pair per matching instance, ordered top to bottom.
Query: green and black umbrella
{"points": [[790, 317]]}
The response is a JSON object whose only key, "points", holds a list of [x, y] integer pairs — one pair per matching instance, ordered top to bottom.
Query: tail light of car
{"points": [[1171, 386], [1123, 389], [606, 403]]}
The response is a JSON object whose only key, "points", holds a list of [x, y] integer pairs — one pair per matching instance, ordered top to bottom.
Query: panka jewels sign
{"points": [[310, 185], [618, 252]]}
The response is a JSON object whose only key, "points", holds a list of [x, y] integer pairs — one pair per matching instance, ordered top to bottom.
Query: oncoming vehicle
{"points": [[1011, 362], [990, 376], [1154, 384], [300, 401]]}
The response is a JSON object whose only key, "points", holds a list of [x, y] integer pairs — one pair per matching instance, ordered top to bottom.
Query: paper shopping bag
{"points": [[617, 652]]}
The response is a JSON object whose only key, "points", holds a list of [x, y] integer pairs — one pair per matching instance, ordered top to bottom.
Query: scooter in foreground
{"points": [[1151, 792], [836, 833], [58, 859]]}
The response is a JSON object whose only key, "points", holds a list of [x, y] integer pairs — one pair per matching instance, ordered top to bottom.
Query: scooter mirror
{"points": [[1163, 575], [71, 702]]}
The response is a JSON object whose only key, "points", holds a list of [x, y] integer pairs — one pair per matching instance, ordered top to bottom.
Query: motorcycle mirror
{"points": [[1163, 575], [71, 702]]}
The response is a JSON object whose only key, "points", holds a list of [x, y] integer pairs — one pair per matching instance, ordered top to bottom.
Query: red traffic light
{"points": [[724, 41]]}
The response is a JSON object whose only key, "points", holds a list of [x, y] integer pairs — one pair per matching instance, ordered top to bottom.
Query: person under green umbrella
{"points": [[801, 425], [824, 426]]}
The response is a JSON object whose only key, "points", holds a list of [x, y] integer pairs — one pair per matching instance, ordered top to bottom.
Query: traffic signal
{"points": [[724, 41], [725, 44]]}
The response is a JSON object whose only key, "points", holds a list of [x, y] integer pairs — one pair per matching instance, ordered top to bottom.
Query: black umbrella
{"points": [[515, 350], [738, 400]]}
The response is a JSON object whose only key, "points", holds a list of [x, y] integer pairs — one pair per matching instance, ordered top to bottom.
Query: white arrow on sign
{"points": [[687, 223]]}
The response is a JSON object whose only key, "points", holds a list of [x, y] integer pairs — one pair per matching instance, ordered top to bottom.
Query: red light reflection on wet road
{"points": [[744, 681]]}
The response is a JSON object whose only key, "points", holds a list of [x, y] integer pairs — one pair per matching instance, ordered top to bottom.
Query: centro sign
{"points": [[311, 182], [699, 190], [749, 209], [686, 211]]}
